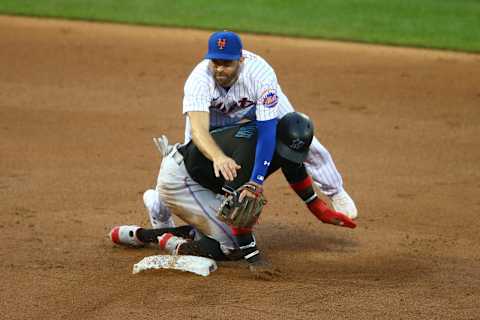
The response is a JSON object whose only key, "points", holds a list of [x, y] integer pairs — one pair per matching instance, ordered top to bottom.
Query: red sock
{"points": [[239, 231]]}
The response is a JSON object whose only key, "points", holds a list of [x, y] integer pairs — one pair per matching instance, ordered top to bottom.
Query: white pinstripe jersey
{"points": [[202, 94], [254, 96]]}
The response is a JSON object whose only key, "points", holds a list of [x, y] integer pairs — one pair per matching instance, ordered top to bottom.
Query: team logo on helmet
{"points": [[221, 43], [296, 144]]}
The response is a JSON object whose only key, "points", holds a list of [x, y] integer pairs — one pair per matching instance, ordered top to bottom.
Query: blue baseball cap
{"points": [[224, 45]]}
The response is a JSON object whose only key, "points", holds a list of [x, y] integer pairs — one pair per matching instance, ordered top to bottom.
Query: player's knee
{"points": [[150, 199]]}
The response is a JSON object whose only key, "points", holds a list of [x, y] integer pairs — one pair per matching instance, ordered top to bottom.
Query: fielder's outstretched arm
{"points": [[201, 137]]}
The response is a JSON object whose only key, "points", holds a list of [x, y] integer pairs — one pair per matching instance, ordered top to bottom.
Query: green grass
{"points": [[442, 24]]}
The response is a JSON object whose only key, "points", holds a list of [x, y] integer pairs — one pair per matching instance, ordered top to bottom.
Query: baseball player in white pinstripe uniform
{"points": [[232, 85]]}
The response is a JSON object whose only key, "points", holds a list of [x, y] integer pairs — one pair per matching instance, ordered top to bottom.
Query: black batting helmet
{"points": [[294, 136]]}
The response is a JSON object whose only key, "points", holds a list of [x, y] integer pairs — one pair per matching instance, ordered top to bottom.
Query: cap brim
{"points": [[222, 56], [289, 154]]}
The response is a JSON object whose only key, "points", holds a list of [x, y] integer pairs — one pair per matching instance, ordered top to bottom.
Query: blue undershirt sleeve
{"points": [[266, 137]]}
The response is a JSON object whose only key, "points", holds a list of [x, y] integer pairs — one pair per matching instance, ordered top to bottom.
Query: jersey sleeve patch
{"points": [[269, 98]]}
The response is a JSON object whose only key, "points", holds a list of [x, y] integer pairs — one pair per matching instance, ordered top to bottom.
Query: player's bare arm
{"points": [[203, 140]]}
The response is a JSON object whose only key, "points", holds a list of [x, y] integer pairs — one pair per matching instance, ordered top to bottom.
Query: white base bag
{"points": [[198, 265]]}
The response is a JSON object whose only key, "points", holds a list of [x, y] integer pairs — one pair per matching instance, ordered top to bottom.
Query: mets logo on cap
{"points": [[221, 43], [224, 45]]}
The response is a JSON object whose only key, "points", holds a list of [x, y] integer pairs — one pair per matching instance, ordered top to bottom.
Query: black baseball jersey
{"points": [[237, 142]]}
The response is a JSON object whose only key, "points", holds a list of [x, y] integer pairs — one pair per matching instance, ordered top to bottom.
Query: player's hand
{"points": [[226, 166], [253, 192], [327, 215], [337, 218], [263, 270]]}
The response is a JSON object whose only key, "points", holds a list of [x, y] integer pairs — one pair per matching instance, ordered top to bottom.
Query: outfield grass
{"points": [[442, 24]]}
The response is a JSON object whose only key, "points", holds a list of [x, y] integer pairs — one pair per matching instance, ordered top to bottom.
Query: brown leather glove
{"points": [[242, 207]]}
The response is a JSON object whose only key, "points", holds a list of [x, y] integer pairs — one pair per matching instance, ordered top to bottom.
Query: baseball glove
{"points": [[242, 212]]}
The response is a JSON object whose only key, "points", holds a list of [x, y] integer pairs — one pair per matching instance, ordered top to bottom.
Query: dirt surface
{"points": [[80, 102]]}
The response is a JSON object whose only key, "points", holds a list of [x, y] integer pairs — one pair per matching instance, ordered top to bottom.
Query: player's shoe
{"points": [[342, 202], [159, 214], [126, 235], [170, 243]]}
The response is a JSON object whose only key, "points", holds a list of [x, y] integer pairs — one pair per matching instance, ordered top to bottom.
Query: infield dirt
{"points": [[80, 102]]}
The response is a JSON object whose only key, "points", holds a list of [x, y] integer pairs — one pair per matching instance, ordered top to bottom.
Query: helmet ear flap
{"points": [[294, 136]]}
